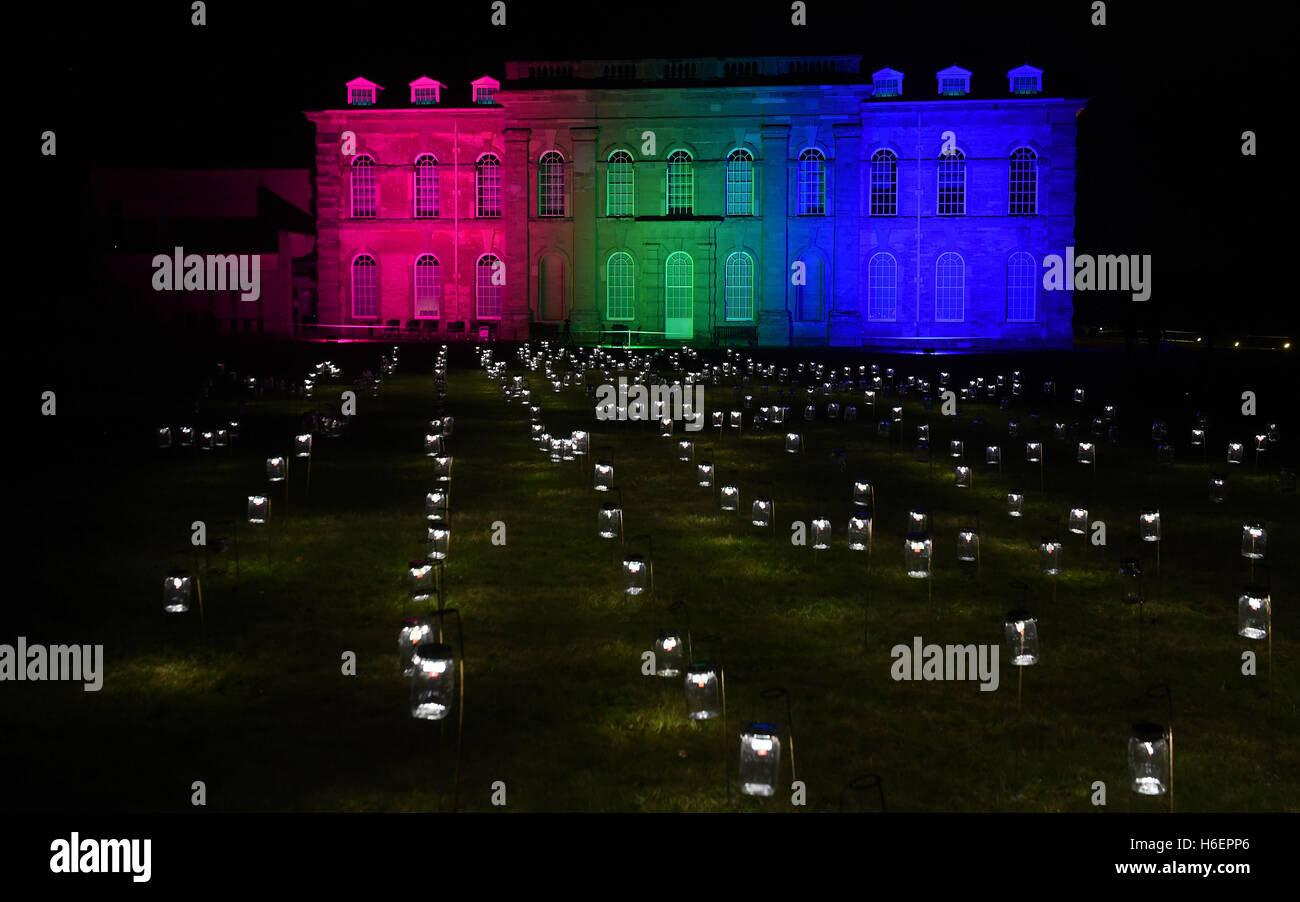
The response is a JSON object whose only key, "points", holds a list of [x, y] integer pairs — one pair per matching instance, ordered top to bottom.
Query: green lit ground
{"points": [[254, 704]]}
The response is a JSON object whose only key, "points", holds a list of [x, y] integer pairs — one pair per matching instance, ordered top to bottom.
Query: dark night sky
{"points": [[1160, 171]]}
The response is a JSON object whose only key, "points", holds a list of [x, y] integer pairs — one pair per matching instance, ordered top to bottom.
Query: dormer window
{"points": [[1026, 80], [954, 81], [887, 83], [485, 90], [426, 91], [363, 92]]}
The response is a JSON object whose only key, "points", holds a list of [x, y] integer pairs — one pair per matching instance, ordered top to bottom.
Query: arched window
{"points": [[740, 183], [812, 183], [884, 183], [952, 183], [1022, 183], [681, 184], [550, 185], [363, 187], [426, 187], [487, 187], [619, 189], [739, 277], [1022, 282], [489, 285], [679, 286], [365, 287], [428, 287], [620, 287], [882, 288], [949, 289]]}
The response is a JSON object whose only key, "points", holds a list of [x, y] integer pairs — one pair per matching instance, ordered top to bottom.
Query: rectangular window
{"points": [[954, 86], [363, 96], [424, 96], [884, 186], [952, 186], [428, 292]]}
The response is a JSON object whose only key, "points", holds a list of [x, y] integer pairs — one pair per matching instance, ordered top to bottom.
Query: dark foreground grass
{"points": [[253, 702]]}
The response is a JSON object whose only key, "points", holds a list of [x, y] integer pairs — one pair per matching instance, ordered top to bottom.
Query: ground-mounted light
{"points": [[1079, 396], [832, 411], [810, 412], [897, 413], [777, 416], [718, 419], [735, 419], [665, 427], [1013, 429], [1159, 430], [1058, 431], [1273, 432], [923, 433], [164, 435], [1198, 436], [186, 437], [207, 440], [581, 442], [1261, 442], [793, 443], [302, 445], [434, 445], [555, 448], [956, 449], [567, 450], [685, 450], [1034, 452], [1236, 453], [1087, 454], [993, 455], [442, 468], [277, 469], [704, 474], [603, 476], [962, 477], [1218, 488], [864, 494], [730, 497], [1015, 504], [435, 505], [259, 509], [761, 511], [918, 520], [1078, 520], [609, 521], [1149, 525], [859, 532], [821, 534], [1254, 540], [438, 541], [968, 544], [918, 549], [1049, 555], [1131, 569], [636, 574], [421, 580], [178, 588], [1254, 613], [415, 631], [1022, 637], [670, 653], [433, 683], [703, 691], [760, 759], [1148, 759]]}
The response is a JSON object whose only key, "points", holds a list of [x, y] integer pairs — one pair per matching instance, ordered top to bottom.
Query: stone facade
{"points": [[556, 267]]}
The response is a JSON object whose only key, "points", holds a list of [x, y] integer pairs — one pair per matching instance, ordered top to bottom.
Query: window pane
{"points": [[740, 183], [812, 183], [1023, 183], [618, 184], [681, 184], [884, 184], [952, 184], [550, 185], [363, 187], [426, 187], [487, 188], [1021, 284], [365, 287], [620, 287], [679, 287], [428, 288], [882, 288], [949, 288], [486, 293], [739, 301]]}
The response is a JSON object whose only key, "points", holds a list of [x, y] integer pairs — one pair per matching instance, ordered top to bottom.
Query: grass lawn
{"points": [[253, 702]]}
